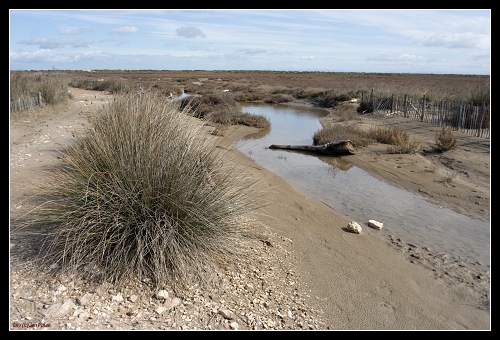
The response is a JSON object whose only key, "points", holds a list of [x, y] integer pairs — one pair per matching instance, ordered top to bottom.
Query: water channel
{"points": [[353, 192]]}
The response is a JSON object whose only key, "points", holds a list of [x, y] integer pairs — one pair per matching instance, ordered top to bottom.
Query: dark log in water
{"points": [[340, 147]]}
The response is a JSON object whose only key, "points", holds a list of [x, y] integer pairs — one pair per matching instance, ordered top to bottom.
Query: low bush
{"points": [[278, 98], [222, 109], [342, 132], [444, 139], [400, 141], [144, 192]]}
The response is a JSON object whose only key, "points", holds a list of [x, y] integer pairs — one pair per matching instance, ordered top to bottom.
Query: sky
{"points": [[322, 40]]}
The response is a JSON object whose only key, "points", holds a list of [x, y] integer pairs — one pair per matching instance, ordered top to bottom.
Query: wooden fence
{"points": [[26, 103], [29, 103], [469, 119]]}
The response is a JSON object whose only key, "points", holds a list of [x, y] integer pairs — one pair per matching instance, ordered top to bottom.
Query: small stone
{"points": [[375, 224], [354, 227], [162, 295], [118, 298], [160, 310], [226, 313]]}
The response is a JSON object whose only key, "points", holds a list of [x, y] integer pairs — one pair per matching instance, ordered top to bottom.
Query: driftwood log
{"points": [[340, 147]]}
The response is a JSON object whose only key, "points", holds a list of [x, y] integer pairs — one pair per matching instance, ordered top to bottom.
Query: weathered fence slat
{"points": [[473, 120]]}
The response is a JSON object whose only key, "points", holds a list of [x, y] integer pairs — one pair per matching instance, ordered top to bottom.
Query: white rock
{"points": [[375, 224], [354, 227], [162, 294], [118, 298], [84, 300], [171, 303], [59, 309], [160, 310], [226, 313]]}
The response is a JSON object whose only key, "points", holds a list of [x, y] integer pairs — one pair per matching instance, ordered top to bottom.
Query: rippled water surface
{"points": [[355, 193]]}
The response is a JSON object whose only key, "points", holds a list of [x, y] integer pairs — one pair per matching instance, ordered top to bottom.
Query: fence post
{"points": [[40, 98], [372, 100], [405, 106], [423, 109], [481, 117]]}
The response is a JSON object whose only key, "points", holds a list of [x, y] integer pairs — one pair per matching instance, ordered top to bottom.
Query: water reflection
{"points": [[354, 192]]}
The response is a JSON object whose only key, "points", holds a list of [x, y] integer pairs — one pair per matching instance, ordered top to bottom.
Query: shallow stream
{"points": [[353, 192]]}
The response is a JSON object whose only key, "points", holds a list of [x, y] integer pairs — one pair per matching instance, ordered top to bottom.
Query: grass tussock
{"points": [[342, 132], [444, 139], [399, 140], [144, 192]]}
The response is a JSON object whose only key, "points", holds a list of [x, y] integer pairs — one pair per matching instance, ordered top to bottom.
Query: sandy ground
{"points": [[357, 281]]}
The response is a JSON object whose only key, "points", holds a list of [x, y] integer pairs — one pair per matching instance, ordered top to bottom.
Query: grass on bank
{"points": [[24, 86], [220, 108], [398, 140], [144, 192]]}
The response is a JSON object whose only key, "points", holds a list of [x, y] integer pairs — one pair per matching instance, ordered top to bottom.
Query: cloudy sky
{"points": [[386, 41]]}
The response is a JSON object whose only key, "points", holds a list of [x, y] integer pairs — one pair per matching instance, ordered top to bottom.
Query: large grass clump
{"points": [[145, 192]]}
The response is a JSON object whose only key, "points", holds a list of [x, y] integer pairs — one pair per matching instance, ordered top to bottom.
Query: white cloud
{"points": [[124, 30], [73, 31], [190, 32], [458, 40], [45, 43], [251, 51], [404, 57]]}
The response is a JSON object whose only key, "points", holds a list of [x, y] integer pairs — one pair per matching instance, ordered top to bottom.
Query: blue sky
{"points": [[385, 41]]}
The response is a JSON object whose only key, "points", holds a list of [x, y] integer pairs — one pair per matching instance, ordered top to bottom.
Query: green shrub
{"points": [[144, 192]]}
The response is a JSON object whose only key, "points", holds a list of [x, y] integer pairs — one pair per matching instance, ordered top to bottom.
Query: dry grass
{"points": [[25, 88], [220, 109], [346, 113], [358, 137], [445, 140], [400, 141], [145, 193]]}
